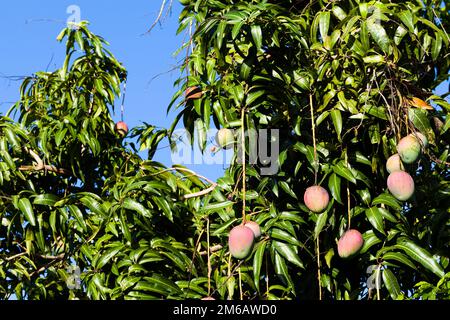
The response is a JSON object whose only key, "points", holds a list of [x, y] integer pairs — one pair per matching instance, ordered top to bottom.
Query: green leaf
{"points": [[339, 13], [233, 17], [407, 18], [324, 23], [350, 27], [434, 27], [236, 29], [220, 33], [62, 34], [379, 34], [399, 34], [257, 36], [436, 47], [374, 59], [246, 68], [210, 70], [253, 96], [379, 112], [420, 120], [337, 122], [201, 133], [374, 133], [11, 136], [59, 137], [360, 158], [8, 159], [342, 170], [334, 184], [285, 186], [365, 196], [46, 199], [387, 199], [24, 205], [93, 205], [133, 205], [164, 206], [215, 206], [76, 212], [387, 215], [375, 218], [320, 223], [124, 226], [223, 227], [279, 234], [370, 239], [288, 252], [108, 255], [421, 255], [400, 257], [257, 262], [282, 270], [158, 283], [231, 283], [391, 283]]}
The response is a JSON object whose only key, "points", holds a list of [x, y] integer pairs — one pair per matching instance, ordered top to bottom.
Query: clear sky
{"points": [[28, 44]]}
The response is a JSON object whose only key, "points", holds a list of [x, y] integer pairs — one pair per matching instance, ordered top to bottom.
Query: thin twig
{"points": [[158, 18], [439, 20], [313, 124], [243, 164], [40, 166], [200, 193], [191, 195], [348, 196], [257, 212], [211, 250], [16, 256], [47, 257], [209, 257], [191, 265], [45, 267], [318, 267], [229, 272], [267, 276], [378, 282], [241, 295]]}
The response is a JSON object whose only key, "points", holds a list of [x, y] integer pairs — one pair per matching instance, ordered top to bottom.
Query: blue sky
{"points": [[28, 44]]}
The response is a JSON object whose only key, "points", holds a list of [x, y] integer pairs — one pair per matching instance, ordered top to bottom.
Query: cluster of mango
{"points": [[400, 183]]}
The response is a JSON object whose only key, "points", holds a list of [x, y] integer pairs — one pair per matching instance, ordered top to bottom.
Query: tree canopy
{"points": [[342, 81]]}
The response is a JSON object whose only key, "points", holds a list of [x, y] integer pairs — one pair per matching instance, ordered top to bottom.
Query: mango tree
{"points": [[344, 82], [83, 216]]}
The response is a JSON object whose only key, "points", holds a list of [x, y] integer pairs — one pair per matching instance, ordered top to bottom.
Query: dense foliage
{"points": [[362, 69], [343, 81]]}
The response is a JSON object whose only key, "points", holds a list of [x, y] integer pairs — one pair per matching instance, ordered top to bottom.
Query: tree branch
{"points": [[158, 18], [40, 166], [200, 193], [195, 194], [211, 250], [16, 256], [46, 257], [48, 265]]}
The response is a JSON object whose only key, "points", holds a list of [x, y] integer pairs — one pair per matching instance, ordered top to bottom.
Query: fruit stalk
{"points": [[122, 107], [313, 125], [316, 165], [348, 198], [244, 218], [209, 257], [319, 276]]}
